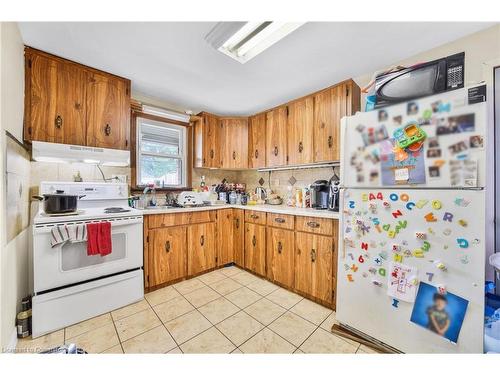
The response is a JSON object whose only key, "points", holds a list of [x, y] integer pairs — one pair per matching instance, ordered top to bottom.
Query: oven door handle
{"points": [[114, 224]]}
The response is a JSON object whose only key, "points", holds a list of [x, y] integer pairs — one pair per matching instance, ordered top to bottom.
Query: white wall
{"points": [[13, 254]]}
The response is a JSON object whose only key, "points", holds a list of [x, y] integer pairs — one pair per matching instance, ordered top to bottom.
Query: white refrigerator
{"points": [[411, 260]]}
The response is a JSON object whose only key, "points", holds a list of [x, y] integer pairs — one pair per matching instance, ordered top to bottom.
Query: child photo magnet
{"points": [[442, 314]]}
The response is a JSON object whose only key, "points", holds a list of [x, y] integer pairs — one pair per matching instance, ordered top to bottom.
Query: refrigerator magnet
{"points": [[462, 243]]}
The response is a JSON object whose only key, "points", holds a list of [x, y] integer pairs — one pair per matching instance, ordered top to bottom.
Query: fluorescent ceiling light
{"points": [[244, 40]]}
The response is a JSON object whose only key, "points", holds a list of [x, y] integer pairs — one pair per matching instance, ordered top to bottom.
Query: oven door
{"points": [[68, 263]]}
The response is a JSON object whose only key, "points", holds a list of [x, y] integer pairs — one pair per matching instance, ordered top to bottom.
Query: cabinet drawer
{"points": [[255, 217], [169, 220], [280, 221], [315, 225]]}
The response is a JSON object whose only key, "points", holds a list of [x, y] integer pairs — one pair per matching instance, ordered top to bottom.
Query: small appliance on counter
{"points": [[320, 191], [334, 193], [190, 199]]}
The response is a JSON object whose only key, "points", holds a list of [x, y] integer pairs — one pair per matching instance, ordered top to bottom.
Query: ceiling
{"points": [[171, 62]]}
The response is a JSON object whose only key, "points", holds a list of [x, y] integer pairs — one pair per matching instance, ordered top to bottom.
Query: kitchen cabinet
{"points": [[70, 103], [108, 112], [300, 131], [276, 137], [257, 141], [210, 142], [234, 143], [225, 235], [239, 237], [201, 248], [255, 248], [168, 254], [280, 256]]}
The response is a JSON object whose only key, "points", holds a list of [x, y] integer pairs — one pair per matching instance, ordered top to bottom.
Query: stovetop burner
{"points": [[115, 210]]}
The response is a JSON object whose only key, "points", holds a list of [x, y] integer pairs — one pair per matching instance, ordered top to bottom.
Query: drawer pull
{"points": [[59, 122], [107, 130], [330, 141], [301, 146], [275, 150], [211, 154], [256, 154], [234, 155], [255, 217], [279, 220], [237, 223], [313, 224], [202, 240], [254, 241], [167, 246], [280, 247], [313, 255]]}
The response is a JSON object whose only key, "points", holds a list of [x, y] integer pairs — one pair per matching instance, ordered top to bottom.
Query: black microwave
{"points": [[420, 80]]}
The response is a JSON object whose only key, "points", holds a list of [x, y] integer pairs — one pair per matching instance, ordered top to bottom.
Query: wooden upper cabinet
{"points": [[54, 100], [108, 111], [300, 131], [234, 132], [276, 137], [210, 141], [257, 141]]}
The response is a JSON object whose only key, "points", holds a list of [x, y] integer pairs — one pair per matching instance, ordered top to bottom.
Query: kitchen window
{"points": [[161, 154]]}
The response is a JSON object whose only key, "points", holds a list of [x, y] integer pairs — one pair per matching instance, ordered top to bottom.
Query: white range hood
{"points": [[60, 153]]}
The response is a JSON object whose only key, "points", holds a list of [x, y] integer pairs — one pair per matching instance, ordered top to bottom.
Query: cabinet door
{"points": [[55, 100], [108, 111], [326, 126], [300, 131], [276, 137], [211, 141], [257, 141], [234, 149], [239, 237], [225, 242], [201, 247], [255, 248], [167, 255], [280, 256], [314, 265]]}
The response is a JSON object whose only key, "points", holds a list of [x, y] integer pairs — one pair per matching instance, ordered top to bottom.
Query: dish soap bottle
{"points": [[203, 185]]}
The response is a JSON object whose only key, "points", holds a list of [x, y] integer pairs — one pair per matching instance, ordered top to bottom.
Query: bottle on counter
{"points": [[306, 196], [298, 197], [290, 198], [23, 319]]}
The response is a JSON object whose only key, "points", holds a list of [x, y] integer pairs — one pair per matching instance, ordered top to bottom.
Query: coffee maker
{"points": [[320, 191], [334, 193]]}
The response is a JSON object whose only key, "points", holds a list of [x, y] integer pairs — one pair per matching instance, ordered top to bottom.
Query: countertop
{"points": [[281, 209]]}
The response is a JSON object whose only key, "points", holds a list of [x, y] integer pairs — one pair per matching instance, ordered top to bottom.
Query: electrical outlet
{"points": [[119, 178]]}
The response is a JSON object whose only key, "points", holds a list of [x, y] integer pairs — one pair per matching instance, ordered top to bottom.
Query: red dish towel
{"points": [[99, 238]]}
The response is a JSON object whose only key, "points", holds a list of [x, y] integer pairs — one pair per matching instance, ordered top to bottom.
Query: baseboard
{"points": [[11, 346]]}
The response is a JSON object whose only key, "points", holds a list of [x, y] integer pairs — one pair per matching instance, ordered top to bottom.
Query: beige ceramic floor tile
{"points": [[230, 271], [211, 277], [245, 278], [188, 286], [225, 286], [263, 287], [162, 295], [202, 296], [243, 297], [284, 298], [172, 309], [130, 310], [218, 310], [265, 311], [311, 311], [329, 322], [136, 324], [87, 325], [187, 326], [239, 327], [292, 328], [97, 340], [157, 340], [210, 341], [266, 341], [323, 342], [42, 343], [117, 349], [363, 349], [175, 350], [236, 351], [298, 351]]}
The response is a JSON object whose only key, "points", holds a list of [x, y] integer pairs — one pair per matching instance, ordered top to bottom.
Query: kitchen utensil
{"points": [[59, 202]]}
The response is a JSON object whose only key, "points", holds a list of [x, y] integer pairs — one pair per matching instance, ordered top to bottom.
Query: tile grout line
{"points": [[116, 330]]}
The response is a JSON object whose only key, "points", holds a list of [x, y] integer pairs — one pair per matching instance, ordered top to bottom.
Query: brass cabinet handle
{"points": [[58, 122], [107, 129], [330, 141], [301, 147], [275, 150], [211, 154], [256, 154], [234, 155], [253, 216], [279, 220], [237, 223], [313, 224], [202, 240], [254, 240], [167, 246], [280, 247], [313, 255]]}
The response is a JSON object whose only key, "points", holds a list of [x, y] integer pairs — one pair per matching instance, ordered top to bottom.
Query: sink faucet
{"points": [[150, 188]]}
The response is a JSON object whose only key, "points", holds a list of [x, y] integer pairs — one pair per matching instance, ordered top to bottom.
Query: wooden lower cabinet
{"points": [[225, 237], [238, 237], [201, 247], [255, 248], [167, 249], [280, 256], [314, 261]]}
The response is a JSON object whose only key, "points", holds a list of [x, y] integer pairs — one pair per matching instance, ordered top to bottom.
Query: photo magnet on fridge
{"points": [[442, 314]]}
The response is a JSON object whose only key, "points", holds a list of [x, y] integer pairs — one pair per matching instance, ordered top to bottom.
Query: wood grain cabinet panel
{"points": [[108, 111], [300, 131], [276, 137], [257, 141], [234, 143], [211, 152], [255, 217], [280, 221], [316, 225], [225, 236], [239, 237], [201, 247], [255, 248], [167, 255], [280, 256], [314, 265]]}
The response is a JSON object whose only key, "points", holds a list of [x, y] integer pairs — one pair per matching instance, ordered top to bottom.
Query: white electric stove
{"points": [[68, 285]]}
